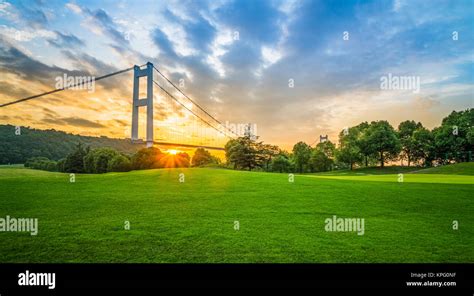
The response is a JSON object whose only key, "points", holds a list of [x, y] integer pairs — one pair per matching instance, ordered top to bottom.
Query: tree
{"points": [[406, 129], [381, 138], [453, 139], [361, 141], [423, 145], [349, 151], [234, 152], [243, 153], [266, 154], [301, 156], [202, 157], [322, 157], [147, 158], [97, 160], [182, 160], [74, 162], [319, 162], [41, 163], [119, 163], [281, 163], [60, 165]]}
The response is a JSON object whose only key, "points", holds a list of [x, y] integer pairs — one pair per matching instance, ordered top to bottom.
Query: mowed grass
{"points": [[193, 221]]}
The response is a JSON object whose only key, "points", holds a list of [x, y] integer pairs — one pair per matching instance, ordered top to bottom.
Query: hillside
{"points": [[51, 144], [464, 168], [371, 171], [194, 221]]}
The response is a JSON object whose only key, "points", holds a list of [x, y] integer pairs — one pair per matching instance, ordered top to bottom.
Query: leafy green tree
{"points": [[406, 129], [470, 136], [381, 138], [453, 138], [423, 145], [349, 147], [234, 152], [367, 152], [243, 153], [265, 155], [301, 156], [202, 157], [322, 157], [147, 158], [97, 160], [182, 160], [74, 162], [319, 162], [41, 163], [119, 163], [281, 163], [60, 165]]}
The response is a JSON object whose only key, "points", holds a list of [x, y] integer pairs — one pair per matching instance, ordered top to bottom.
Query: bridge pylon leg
{"points": [[144, 102]]}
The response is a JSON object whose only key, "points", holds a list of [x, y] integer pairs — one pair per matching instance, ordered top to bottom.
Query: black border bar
{"points": [[90, 277]]}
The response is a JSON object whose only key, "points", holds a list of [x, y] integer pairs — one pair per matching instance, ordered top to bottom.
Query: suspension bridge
{"points": [[191, 126]]}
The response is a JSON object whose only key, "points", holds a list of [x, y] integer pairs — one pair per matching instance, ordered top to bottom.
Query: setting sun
{"points": [[173, 151]]}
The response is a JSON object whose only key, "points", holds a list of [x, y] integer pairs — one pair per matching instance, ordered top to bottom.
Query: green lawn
{"points": [[279, 221]]}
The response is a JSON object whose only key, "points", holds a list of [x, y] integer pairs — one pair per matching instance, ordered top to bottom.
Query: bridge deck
{"points": [[187, 145]]}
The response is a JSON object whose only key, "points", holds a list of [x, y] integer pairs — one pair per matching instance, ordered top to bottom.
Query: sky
{"points": [[295, 69]]}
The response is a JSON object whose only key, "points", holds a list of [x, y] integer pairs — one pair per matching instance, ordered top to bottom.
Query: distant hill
{"points": [[52, 144], [463, 168], [372, 171]]}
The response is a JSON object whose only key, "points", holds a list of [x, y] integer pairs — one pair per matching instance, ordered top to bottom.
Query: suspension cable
{"points": [[64, 88], [171, 96], [192, 101]]}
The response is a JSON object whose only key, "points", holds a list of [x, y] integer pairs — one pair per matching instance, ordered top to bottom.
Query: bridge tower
{"points": [[148, 102]]}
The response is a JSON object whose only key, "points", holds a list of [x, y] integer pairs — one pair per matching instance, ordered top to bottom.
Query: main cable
{"points": [[64, 88], [171, 96], [192, 101]]}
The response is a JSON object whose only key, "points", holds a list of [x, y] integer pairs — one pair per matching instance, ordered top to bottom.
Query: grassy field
{"points": [[279, 221]]}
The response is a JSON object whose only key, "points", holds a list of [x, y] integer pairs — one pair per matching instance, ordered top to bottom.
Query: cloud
{"points": [[74, 8], [31, 14], [256, 21], [99, 22], [66, 41], [163, 43], [15, 61], [245, 79], [13, 90], [74, 121]]}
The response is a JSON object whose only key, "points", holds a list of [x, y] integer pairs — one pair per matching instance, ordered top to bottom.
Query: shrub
{"points": [[202, 157], [147, 158], [97, 160], [74, 162], [41, 163], [119, 163]]}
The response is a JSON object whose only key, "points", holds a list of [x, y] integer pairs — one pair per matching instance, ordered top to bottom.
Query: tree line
{"points": [[18, 144], [366, 144], [105, 159]]}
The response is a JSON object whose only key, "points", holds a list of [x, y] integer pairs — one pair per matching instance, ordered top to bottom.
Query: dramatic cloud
{"points": [[66, 41], [238, 59]]}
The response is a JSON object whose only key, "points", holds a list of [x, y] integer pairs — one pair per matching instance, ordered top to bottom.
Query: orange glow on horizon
{"points": [[173, 151]]}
